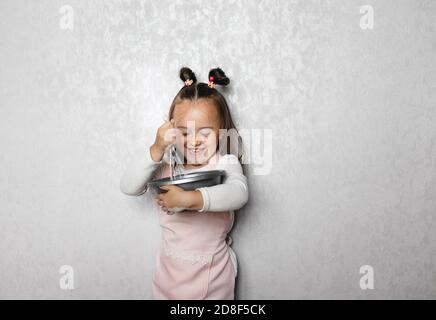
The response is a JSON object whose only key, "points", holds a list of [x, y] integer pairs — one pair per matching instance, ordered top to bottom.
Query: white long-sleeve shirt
{"points": [[231, 195]]}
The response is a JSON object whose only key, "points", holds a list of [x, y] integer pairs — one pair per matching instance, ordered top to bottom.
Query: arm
{"points": [[139, 172], [232, 194]]}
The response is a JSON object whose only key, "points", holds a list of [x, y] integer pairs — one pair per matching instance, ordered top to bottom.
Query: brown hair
{"points": [[202, 90]]}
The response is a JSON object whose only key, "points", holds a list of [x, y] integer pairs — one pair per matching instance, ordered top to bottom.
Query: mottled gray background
{"points": [[353, 112]]}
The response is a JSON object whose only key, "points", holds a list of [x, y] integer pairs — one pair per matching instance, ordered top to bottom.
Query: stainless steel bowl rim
{"points": [[187, 177]]}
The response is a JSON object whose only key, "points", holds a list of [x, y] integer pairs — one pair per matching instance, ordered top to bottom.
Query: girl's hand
{"points": [[165, 136], [176, 199]]}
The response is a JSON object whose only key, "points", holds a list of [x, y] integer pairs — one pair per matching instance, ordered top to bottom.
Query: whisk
{"points": [[175, 162]]}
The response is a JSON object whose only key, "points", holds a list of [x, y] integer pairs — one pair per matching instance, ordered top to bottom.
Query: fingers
{"points": [[168, 125], [167, 133], [170, 135], [168, 187], [171, 188], [159, 201], [161, 204], [165, 209]]}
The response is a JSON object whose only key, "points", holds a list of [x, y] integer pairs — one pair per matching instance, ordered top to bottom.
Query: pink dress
{"points": [[195, 260]]}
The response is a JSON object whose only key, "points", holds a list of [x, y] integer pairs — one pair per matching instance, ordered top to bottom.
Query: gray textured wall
{"points": [[353, 112]]}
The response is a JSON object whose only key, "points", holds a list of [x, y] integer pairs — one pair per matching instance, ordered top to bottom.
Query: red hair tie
{"points": [[210, 83]]}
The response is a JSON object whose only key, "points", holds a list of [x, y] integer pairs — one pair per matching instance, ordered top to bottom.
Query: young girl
{"points": [[195, 260]]}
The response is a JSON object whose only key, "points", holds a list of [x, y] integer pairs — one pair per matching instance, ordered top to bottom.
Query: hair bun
{"points": [[187, 74], [219, 77]]}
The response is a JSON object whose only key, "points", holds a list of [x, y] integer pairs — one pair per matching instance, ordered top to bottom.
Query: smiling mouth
{"points": [[195, 151]]}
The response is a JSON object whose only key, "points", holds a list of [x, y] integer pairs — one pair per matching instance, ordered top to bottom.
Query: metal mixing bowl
{"points": [[190, 181]]}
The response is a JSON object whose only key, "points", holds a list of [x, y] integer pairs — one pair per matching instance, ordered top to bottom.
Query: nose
{"points": [[195, 141]]}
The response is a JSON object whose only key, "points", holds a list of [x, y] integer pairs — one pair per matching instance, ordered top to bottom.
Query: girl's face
{"points": [[198, 126]]}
